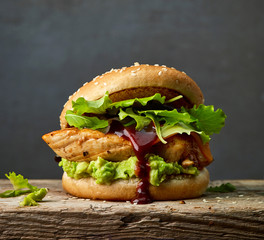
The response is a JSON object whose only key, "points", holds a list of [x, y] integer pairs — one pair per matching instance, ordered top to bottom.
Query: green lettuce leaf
{"points": [[141, 101], [99, 106], [170, 117], [202, 119], [208, 120], [84, 121], [140, 121], [157, 126], [180, 128], [19, 182], [21, 186], [14, 193]]}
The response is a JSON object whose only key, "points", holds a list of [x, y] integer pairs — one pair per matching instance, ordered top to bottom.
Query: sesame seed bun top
{"points": [[137, 81]]}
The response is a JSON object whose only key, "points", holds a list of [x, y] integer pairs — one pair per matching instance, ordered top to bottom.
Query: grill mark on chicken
{"points": [[76, 144]]}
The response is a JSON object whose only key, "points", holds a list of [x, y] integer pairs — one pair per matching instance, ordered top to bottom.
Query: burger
{"points": [[138, 134]]}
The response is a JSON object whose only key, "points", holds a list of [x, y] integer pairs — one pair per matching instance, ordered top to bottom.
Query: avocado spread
{"points": [[105, 172]]}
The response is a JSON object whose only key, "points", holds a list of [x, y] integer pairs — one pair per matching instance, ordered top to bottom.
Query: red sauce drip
{"points": [[141, 141]]}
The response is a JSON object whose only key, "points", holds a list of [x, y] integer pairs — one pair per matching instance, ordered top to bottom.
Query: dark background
{"points": [[48, 49]]}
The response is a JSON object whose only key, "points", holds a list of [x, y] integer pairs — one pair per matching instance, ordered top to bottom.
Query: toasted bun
{"points": [[138, 81], [125, 190]]}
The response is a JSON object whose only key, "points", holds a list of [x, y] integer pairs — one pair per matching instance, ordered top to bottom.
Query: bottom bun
{"points": [[124, 190]]}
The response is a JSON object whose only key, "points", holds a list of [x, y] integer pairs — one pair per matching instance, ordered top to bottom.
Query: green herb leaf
{"points": [[84, 121], [223, 188]]}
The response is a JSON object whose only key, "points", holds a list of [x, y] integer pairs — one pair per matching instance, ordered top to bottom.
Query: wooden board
{"points": [[237, 215]]}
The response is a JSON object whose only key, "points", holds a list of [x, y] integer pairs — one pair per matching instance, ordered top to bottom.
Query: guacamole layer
{"points": [[105, 172]]}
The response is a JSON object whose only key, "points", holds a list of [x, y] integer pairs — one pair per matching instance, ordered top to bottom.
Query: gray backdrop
{"points": [[48, 49]]}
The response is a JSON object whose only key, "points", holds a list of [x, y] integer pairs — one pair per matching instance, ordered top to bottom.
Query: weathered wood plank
{"points": [[237, 215]]}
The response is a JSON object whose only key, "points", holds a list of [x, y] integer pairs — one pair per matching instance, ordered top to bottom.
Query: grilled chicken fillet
{"points": [[87, 145]]}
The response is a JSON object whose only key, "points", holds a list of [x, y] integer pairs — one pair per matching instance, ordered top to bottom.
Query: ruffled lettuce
{"points": [[97, 115], [21, 186]]}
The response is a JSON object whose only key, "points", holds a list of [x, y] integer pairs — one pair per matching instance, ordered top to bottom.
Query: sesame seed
{"points": [[136, 64], [156, 64], [163, 65], [164, 69], [111, 70], [116, 70], [133, 71], [160, 72], [184, 72], [133, 74], [85, 83], [95, 83], [105, 84], [78, 90], [69, 96], [240, 195], [227, 196], [204, 200], [218, 200], [104, 201], [234, 202], [260, 202], [135, 203]]}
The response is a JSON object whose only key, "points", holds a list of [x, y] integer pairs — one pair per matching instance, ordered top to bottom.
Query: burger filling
{"points": [[147, 138]]}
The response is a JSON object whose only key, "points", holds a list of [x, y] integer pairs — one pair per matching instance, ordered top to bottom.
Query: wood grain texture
{"points": [[237, 215]]}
